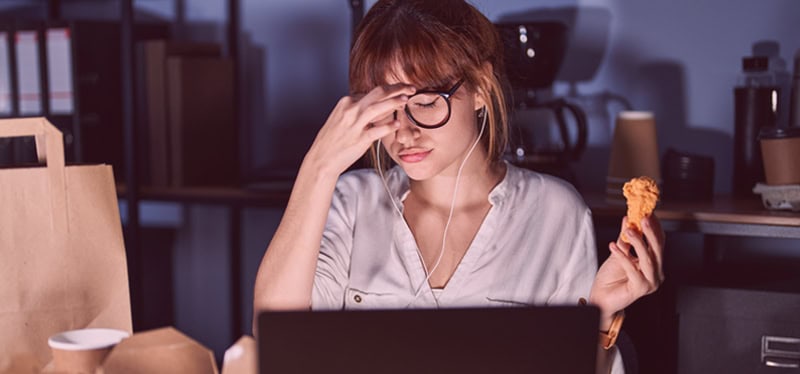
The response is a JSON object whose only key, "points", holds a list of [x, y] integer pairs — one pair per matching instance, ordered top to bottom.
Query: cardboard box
{"points": [[164, 350]]}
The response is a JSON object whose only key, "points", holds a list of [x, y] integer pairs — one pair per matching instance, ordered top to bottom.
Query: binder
{"points": [[59, 71], [29, 83], [29, 90], [60, 97], [6, 109]]}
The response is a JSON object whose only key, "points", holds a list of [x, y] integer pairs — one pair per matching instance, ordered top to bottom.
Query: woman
{"points": [[451, 225]]}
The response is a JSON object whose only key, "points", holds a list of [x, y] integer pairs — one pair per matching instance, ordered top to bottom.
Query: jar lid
{"points": [[755, 63], [775, 132]]}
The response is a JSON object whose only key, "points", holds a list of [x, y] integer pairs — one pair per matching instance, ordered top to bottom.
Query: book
{"points": [[155, 54], [203, 133]]}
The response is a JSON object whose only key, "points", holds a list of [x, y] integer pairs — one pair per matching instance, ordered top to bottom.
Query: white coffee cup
{"points": [[83, 350]]}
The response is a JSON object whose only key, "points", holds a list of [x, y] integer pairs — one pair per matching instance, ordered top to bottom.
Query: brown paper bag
{"points": [[62, 256], [165, 350], [241, 358]]}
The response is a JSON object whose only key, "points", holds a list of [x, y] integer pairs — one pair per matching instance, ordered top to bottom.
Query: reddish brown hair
{"points": [[435, 42]]}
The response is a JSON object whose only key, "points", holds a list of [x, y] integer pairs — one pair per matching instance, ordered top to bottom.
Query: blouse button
{"points": [[357, 298]]}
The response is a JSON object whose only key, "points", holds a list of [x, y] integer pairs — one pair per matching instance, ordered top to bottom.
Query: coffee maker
{"points": [[542, 137]]}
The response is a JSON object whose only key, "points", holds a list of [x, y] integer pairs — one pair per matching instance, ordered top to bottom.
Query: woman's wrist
{"points": [[318, 167]]}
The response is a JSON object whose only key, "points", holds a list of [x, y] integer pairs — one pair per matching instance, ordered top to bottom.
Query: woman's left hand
{"points": [[623, 278]]}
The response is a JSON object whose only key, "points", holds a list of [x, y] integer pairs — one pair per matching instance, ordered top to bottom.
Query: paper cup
{"points": [[780, 150], [634, 151], [82, 351]]}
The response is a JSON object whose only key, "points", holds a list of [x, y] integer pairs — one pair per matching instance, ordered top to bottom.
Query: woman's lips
{"points": [[415, 156]]}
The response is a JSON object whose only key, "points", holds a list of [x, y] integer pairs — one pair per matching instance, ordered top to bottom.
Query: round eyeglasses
{"points": [[430, 109]]}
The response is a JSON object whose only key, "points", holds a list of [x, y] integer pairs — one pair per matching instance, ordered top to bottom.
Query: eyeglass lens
{"points": [[428, 108]]}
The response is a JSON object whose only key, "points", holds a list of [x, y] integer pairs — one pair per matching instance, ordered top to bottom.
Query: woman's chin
{"points": [[418, 172]]}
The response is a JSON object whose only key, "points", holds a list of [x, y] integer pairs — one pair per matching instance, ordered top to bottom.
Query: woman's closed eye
{"points": [[427, 103]]}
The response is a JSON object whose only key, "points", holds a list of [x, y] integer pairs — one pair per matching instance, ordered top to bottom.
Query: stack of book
{"points": [[190, 127]]}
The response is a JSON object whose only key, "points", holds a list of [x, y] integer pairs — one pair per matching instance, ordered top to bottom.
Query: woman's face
{"points": [[425, 153]]}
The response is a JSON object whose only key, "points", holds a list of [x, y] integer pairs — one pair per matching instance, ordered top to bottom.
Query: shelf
{"points": [[273, 195], [723, 216]]}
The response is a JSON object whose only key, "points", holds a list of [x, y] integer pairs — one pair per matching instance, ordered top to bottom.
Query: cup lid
{"points": [[776, 132], [93, 338]]}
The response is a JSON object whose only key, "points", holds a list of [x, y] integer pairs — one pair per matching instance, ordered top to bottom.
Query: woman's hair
{"points": [[435, 43]]}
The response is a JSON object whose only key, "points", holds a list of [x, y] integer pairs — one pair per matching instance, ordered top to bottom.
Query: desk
{"points": [[723, 216], [653, 323]]}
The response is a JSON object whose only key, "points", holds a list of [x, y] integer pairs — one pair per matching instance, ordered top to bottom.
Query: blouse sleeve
{"points": [[333, 263], [577, 275]]}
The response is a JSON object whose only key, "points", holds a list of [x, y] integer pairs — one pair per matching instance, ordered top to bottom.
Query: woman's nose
{"points": [[408, 131]]}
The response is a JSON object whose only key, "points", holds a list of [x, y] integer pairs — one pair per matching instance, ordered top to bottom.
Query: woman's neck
{"points": [[477, 180]]}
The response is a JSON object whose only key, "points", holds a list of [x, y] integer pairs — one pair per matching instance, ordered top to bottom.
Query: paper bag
{"points": [[62, 256], [164, 350], [240, 358]]}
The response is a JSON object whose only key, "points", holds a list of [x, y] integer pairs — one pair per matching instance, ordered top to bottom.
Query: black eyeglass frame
{"points": [[445, 95]]}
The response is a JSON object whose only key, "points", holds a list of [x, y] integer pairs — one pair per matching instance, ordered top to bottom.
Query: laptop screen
{"points": [[485, 340]]}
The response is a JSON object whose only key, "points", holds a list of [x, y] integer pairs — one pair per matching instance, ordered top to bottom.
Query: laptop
{"points": [[479, 340]]}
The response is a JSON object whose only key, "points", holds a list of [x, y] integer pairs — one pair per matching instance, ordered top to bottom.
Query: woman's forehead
{"points": [[395, 75], [398, 76]]}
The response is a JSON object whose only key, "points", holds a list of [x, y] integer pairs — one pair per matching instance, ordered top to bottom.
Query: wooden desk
{"points": [[723, 216]]}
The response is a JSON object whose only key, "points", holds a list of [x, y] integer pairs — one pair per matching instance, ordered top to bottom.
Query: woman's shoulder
{"points": [[357, 179], [363, 181], [545, 189]]}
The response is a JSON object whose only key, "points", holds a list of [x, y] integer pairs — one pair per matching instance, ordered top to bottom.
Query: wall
{"points": [[679, 59]]}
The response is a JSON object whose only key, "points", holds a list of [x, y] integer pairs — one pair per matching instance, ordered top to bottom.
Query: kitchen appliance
{"points": [[533, 53]]}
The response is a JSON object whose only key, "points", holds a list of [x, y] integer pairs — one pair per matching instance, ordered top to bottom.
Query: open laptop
{"points": [[488, 340]]}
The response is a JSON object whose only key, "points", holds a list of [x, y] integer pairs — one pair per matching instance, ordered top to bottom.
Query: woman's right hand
{"points": [[354, 124]]}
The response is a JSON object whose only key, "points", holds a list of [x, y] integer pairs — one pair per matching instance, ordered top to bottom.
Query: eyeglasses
{"points": [[431, 109]]}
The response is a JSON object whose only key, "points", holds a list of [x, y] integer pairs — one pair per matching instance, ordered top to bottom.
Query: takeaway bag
{"points": [[62, 255]]}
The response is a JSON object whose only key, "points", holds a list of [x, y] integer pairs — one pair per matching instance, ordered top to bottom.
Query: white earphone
{"points": [[449, 217]]}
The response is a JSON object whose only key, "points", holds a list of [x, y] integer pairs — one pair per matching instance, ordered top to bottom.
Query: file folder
{"points": [[59, 71], [28, 73], [6, 109]]}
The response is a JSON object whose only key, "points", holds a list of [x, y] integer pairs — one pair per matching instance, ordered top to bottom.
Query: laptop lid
{"points": [[480, 340]]}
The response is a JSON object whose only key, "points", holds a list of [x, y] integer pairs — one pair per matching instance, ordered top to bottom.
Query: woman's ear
{"points": [[481, 96]]}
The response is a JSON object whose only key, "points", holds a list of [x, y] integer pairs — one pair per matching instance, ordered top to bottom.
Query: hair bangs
{"points": [[413, 50]]}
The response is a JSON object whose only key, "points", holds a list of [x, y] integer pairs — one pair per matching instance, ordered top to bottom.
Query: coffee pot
{"points": [[542, 136]]}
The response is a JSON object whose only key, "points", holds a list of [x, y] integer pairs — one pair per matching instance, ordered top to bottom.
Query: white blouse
{"points": [[536, 246]]}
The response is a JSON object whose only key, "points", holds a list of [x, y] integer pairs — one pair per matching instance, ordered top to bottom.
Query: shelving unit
{"points": [[134, 193]]}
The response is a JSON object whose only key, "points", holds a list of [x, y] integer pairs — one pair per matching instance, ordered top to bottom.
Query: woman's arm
{"points": [[286, 275], [624, 278]]}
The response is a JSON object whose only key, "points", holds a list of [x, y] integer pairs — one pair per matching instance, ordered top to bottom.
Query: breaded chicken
{"points": [[642, 195]]}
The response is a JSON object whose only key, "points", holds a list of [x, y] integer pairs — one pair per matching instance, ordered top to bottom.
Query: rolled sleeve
{"points": [[333, 264], [577, 276]]}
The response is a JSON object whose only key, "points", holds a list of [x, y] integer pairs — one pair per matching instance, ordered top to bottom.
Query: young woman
{"points": [[451, 224]]}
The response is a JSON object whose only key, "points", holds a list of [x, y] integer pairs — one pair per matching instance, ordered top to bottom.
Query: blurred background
{"points": [[260, 76]]}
